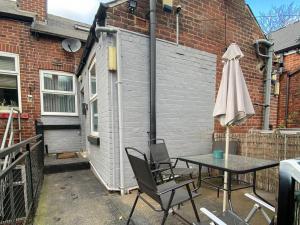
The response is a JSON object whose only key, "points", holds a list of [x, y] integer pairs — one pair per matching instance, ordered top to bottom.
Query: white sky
{"points": [[79, 10]]}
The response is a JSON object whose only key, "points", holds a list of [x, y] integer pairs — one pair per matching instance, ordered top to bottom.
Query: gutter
{"points": [[16, 17], [100, 19], [38, 31]]}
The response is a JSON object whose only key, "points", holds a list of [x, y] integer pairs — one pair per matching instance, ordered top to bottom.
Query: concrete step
{"points": [[55, 165]]}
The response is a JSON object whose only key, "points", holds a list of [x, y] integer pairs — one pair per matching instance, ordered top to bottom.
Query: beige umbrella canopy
{"points": [[233, 104]]}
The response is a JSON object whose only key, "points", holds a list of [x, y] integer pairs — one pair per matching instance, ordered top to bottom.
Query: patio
{"points": [[77, 197]]}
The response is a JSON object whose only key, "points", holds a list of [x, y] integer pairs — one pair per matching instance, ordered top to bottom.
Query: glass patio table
{"points": [[235, 165]]}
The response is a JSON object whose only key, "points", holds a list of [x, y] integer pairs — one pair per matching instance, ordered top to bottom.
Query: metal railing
{"points": [[9, 130], [21, 181]]}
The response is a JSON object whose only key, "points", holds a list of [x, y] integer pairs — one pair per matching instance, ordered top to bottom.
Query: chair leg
{"points": [[193, 203], [133, 207], [166, 213]]}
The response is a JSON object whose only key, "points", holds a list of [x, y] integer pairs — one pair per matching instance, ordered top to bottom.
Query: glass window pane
{"points": [[7, 63], [58, 82], [93, 85], [8, 90], [59, 103], [94, 118]]}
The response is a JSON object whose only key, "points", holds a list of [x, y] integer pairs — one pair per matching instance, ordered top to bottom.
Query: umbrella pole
{"points": [[225, 195]]}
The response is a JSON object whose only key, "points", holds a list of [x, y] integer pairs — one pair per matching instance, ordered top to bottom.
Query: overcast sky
{"points": [[85, 10]]}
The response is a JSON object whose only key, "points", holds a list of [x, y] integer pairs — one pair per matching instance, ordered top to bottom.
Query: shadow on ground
{"points": [[78, 198]]}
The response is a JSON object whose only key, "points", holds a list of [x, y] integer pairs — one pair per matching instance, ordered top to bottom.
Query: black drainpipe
{"points": [[152, 69]]}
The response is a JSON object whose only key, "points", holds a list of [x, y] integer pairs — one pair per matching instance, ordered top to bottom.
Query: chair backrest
{"points": [[233, 146], [159, 151], [142, 172]]}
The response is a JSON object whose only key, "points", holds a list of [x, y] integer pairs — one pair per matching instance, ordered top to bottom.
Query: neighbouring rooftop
{"points": [[54, 26], [286, 38]]}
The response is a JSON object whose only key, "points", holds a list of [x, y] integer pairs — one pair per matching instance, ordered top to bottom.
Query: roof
{"points": [[9, 9], [100, 18], [55, 25], [62, 27], [286, 38]]}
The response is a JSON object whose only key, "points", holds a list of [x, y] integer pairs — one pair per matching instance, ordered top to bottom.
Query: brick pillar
{"points": [[36, 6]]}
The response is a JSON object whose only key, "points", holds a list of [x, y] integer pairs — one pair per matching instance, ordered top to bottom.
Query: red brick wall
{"points": [[37, 6], [202, 26], [35, 53], [291, 64]]}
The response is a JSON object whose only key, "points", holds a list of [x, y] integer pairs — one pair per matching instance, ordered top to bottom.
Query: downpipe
{"points": [[152, 69], [267, 82]]}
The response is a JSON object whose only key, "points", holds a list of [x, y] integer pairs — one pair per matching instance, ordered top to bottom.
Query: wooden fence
{"points": [[274, 146]]}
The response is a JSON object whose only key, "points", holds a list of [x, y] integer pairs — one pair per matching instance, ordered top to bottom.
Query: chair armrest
{"points": [[176, 186], [260, 202], [211, 216]]}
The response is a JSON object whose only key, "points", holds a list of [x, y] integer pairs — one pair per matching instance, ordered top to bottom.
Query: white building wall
{"points": [[185, 97], [185, 100], [100, 156]]}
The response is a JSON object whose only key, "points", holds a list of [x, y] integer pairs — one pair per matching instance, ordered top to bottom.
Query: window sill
{"points": [[59, 114], [5, 115], [94, 140]]}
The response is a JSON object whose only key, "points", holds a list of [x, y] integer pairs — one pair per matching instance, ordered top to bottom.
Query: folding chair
{"points": [[161, 160], [167, 195], [231, 218]]}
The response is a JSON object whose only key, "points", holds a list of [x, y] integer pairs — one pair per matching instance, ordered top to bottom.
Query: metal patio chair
{"points": [[162, 162], [167, 195], [229, 217]]}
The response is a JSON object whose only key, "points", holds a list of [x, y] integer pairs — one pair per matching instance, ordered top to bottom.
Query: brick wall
{"points": [[36, 6], [202, 26], [35, 53], [291, 64]]}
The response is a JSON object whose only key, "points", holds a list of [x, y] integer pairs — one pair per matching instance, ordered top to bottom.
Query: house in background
{"points": [[287, 48], [37, 75], [114, 79]]}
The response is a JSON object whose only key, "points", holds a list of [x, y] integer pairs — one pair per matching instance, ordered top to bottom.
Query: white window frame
{"points": [[13, 73], [42, 91], [92, 98]]}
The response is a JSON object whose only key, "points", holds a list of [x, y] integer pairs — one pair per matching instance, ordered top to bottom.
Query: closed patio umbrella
{"points": [[233, 104]]}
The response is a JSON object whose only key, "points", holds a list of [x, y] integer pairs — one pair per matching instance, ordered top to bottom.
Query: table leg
{"points": [[199, 177], [229, 179]]}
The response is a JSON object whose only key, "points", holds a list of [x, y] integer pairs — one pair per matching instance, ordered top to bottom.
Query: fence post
{"points": [[40, 130], [30, 173], [11, 195]]}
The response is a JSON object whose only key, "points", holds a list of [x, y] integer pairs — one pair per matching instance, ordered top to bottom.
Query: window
{"points": [[9, 81], [58, 93], [93, 99]]}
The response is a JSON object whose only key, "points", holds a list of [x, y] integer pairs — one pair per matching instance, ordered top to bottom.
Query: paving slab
{"points": [[78, 198]]}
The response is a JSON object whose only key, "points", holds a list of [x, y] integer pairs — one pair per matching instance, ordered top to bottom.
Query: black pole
{"points": [[152, 69]]}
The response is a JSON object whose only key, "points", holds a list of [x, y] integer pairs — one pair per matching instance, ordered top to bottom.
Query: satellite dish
{"points": [[71, 45]]}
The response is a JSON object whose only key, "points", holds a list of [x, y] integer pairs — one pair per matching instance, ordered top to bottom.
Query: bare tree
{"points": [[278, 17]]}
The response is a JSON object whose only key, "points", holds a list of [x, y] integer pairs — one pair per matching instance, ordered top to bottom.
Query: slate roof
{"points": [[9, 9], [55, 25], [61, 27], [286, 38]]}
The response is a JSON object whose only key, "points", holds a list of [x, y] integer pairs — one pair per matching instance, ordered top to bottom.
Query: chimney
{"points": [[39, 7]]}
